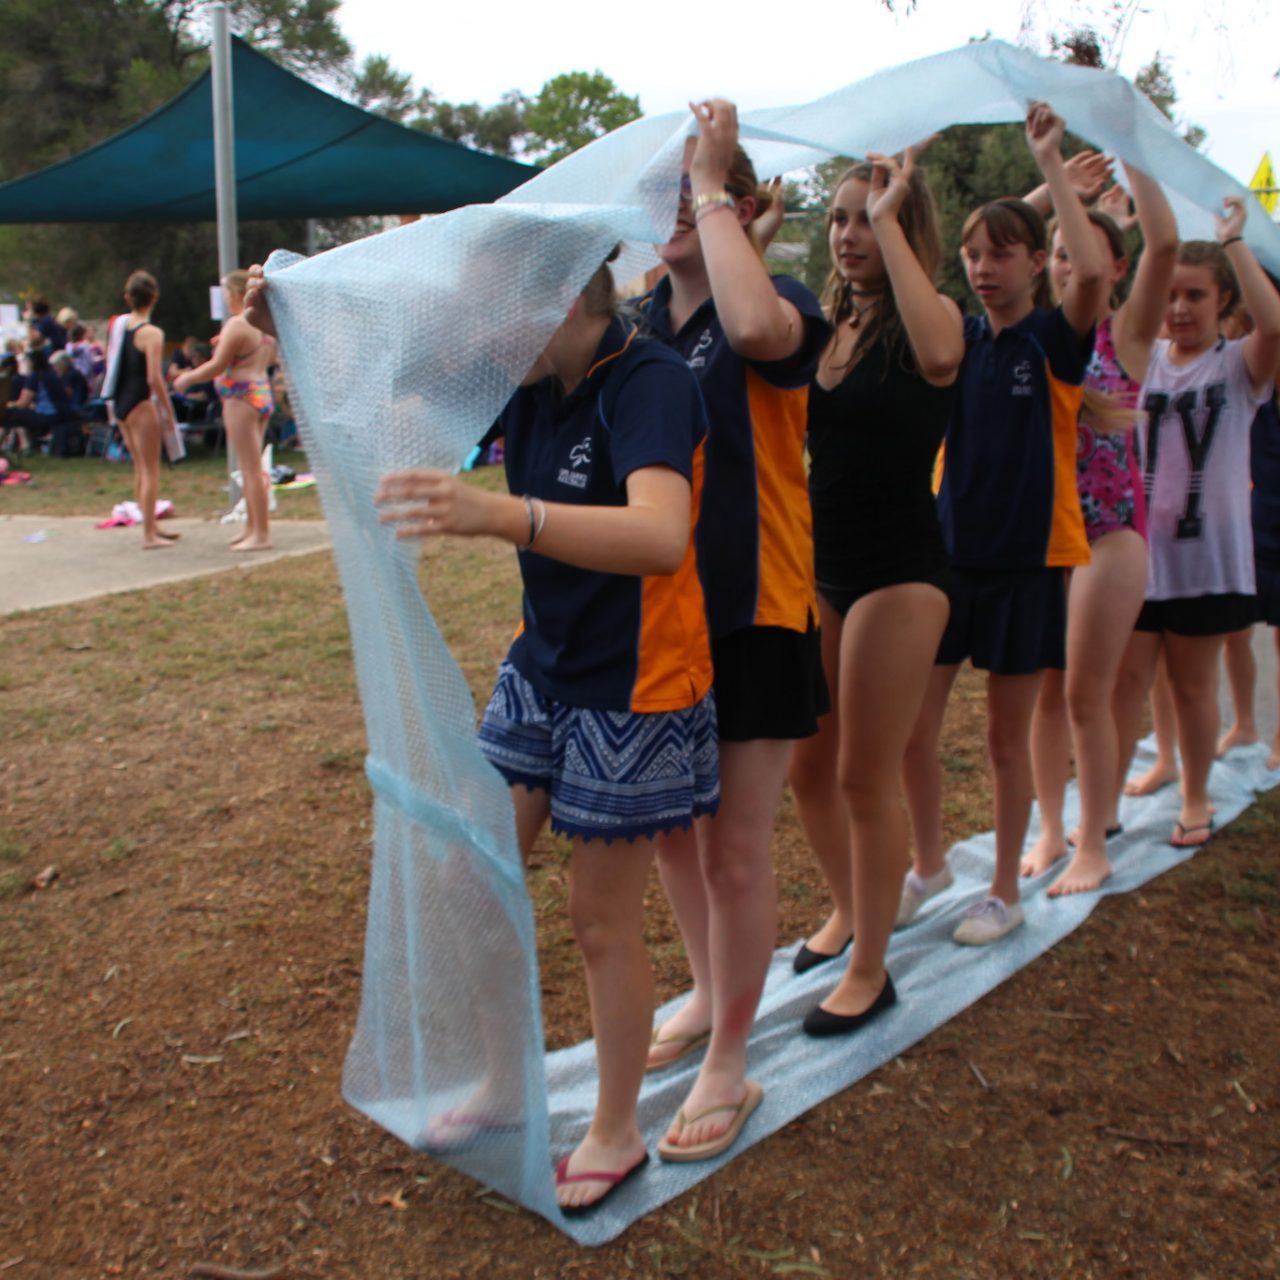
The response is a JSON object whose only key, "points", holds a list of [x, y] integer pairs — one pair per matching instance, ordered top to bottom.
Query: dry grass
{"points": [[173, 1009]]}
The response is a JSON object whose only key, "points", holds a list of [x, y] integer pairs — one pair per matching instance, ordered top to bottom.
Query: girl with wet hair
{"points": [[140, 399]]}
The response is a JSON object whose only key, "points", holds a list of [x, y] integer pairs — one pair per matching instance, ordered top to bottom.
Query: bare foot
{"points": [[168, 537], [235, 542], [157, 544], [246, 545], [1236, 736], [1159, 775], [1044, 853], [1085, 872], [682, 1033], [713, 1092], [594, 1156]]}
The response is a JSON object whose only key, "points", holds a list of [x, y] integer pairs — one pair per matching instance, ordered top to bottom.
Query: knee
{"points": [[1086, 704], [1009, 747], [867, 788], [736, 868], [599, 932]]}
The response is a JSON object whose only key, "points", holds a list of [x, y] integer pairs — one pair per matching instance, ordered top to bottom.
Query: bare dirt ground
{"points": [[174, 1007]]}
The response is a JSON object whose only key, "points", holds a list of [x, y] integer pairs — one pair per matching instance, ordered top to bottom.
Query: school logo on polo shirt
{"points": [[696, 357], [1022, 379], [578, 472]]}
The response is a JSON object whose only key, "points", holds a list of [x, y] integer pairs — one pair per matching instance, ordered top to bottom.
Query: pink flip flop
{"points": [[615, 1180]]}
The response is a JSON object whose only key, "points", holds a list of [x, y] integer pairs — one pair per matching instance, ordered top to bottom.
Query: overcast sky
{"points": [[1224, 56]]}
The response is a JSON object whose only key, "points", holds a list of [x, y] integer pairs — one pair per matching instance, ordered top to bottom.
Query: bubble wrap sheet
{"points": [[401, 350]]}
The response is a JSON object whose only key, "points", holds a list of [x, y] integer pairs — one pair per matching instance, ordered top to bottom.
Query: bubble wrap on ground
{"points": [[401, 350]]}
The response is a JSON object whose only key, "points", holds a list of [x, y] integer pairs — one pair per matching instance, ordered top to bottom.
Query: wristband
{"points": [[1232, 240], [542, 520], [533, 526]]}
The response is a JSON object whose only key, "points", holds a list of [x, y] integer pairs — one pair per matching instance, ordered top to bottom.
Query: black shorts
{"points": [[1268, 575], [842, 599], [1199, 615], [1008, 622], [769, 683]]}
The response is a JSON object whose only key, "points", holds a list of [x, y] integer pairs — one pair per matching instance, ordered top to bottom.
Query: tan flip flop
{"points": [[688, 1045], [717, 1146]]}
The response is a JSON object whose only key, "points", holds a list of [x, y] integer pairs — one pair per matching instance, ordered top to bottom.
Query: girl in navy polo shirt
{"points": [[754, 342], [1010, 513], [602, 715]]}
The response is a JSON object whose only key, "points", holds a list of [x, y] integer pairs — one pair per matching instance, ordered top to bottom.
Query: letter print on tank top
{"points": [[1205, 404]]}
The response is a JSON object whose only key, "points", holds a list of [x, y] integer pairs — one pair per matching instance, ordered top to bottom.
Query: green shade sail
{"points": [[300, 153]]}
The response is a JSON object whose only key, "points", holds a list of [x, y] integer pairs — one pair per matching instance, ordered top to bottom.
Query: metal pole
{"points": [[224, 142], [224, 170]]}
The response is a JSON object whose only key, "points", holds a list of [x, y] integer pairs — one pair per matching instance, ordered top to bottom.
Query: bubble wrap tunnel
{"points": [[401, 350]]}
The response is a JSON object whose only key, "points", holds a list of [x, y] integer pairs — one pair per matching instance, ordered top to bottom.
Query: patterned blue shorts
{"points": [[611, 774]]}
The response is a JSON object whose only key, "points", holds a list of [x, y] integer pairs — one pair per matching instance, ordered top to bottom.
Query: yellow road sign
{"points": [[1264, 183]]}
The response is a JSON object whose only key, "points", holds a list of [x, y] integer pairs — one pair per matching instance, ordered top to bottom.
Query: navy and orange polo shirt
{"points": [[1008, 498], [755, 538], [610, 641]]}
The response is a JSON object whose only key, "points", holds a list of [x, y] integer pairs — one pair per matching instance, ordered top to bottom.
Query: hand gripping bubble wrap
{"points": [[401, 350]]}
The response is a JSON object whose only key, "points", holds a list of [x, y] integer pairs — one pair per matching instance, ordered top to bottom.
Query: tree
{"points": [[1156, 81], [380, 88], [574, 109], [499, 129]]}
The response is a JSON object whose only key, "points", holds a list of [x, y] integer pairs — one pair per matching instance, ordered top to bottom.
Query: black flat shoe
{"points": [[807, 958], [821, 1022]]}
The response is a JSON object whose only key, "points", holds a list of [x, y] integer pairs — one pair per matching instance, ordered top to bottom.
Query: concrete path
{"points": [[50, 560]]}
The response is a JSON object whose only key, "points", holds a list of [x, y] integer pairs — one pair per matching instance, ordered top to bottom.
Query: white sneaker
{"points": [[917, 891], [988, 921]]}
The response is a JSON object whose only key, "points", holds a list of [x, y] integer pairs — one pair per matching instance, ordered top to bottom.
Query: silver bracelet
{"points": [[542, 520], [533, 528]]}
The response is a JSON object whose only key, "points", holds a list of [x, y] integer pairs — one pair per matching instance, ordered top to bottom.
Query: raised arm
{"points": [[1089, 172], [1086, 290], [1138, 322], [758, 323], [933, 323], [1262, 346], [648, 536]]}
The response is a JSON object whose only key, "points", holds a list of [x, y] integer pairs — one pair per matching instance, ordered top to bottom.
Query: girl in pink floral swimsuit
{"points": [[1107, 472], [1105, 595]]}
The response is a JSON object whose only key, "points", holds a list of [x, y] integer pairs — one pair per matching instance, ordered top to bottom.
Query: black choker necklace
{"points": [[856, 312]]}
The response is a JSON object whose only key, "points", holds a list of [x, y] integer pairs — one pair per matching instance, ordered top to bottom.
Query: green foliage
{"points": [[380, 88], [574, 109], [499, 129]]}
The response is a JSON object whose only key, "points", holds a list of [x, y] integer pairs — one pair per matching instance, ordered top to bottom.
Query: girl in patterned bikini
{"points": [[239, 367], [1201, 395], [1105, 595]]}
